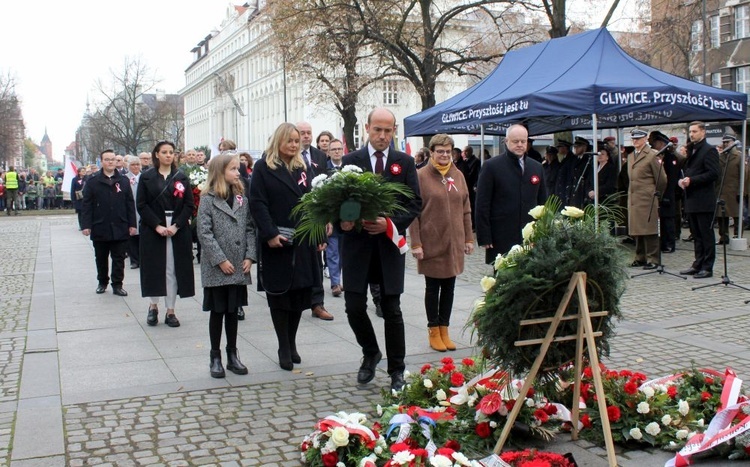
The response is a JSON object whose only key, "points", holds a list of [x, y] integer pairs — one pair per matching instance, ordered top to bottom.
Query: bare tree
{"points": [[555, 11], [324, 39], [673, 41], [11, 121]]}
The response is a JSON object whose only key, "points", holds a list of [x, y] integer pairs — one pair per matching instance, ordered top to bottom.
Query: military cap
{"points": [[638, 133], [659, 136], [609, 138], [728, 138], [674, 140], [581, 141], [562, 142], [551, 150]]}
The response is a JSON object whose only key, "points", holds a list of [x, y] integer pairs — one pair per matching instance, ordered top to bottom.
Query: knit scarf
{"points": [[443, 169]]}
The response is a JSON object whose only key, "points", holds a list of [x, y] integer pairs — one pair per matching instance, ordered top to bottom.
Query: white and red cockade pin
{"points": [[395, 169], [535, 180], [179, 189]]}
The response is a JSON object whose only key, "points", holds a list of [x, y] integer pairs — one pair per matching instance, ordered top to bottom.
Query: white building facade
{"points": [[236, 86]]}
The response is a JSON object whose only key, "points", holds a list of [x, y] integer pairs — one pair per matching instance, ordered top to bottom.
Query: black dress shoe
{"points": [[689, 239], [637, 264], [134, 266], [649, 266], [688, 272], [703, 274], [101, 289], [119, 291], [378, 311], [240, 314], [153, 316], [172, 321], [285, 360], [367, 370], [397, 381]]}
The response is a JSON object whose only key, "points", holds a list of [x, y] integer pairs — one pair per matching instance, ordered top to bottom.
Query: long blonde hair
{"points": [[282, 134], [216, 183]]}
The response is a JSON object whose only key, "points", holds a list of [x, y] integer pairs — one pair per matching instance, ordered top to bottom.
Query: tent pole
{"points": [[481, 145], [743, 168], [596, 169]]}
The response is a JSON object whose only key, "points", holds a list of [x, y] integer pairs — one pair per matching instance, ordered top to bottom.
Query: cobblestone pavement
{"points": [[665, 325]]}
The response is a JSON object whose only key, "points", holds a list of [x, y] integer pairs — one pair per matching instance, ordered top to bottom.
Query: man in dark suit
{"points": [[660, 142], [316, 160], [701, 174], [509, 186], [108, 216], [371, 256]]}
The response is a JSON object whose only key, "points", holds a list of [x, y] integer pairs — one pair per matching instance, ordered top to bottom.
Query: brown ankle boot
{"points": [[435, 341], [447, 342]]}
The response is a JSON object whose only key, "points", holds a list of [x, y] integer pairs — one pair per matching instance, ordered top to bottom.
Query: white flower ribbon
{"points": [[351, 426]]}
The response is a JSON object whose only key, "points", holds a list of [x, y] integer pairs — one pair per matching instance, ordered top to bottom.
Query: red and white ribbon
{"points": [[302, 179], [451, 184], [392, 233], [351, 426]]}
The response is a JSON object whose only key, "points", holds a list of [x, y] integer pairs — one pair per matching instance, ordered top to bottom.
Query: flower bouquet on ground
{"points": [[346, 195], [532, 278], [345, 439], [534, 458]]}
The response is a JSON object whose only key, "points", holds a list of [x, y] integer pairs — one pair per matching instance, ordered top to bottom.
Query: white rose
{"points": [[537, 212], [572, 212], [527, 231], [514, 250], [499, 261], [487, 283], [427, 383], [648, 392], [440, 395], [530, 402], [643, 407], [683, 407], [666, 420], [653, 428], [635, 433], [681, 434], [340, 436], [403, 457], [440, 461]]}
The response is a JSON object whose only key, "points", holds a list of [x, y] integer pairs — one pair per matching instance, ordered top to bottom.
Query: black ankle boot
{"points": [[295, 357], [285, 360], [234, 364], [217, 370]]}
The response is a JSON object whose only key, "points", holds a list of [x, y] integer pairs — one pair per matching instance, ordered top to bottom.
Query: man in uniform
{"points": [[660, 142], [644, 168], [731, 190]]}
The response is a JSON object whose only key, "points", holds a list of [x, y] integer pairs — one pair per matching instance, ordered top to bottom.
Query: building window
{"points": [[741, 21], [714, 28], [696, 35], [698, 79], [742, 79], [716, 80], [390, 92], [357, 140]]}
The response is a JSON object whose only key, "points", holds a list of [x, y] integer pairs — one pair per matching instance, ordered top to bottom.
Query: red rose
{"points": [[467, 362], [425, 368], [588, 373], [457, 379], [630, 387], [672, 391], [705, 395], [490, 403], [551, 409], [613, 413], [541, 415], [586, 421], [483, 430], [453, 444], [330, 459]]}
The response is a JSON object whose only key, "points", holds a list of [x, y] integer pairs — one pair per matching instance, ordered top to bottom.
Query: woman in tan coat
{"points": [[441, 236]]}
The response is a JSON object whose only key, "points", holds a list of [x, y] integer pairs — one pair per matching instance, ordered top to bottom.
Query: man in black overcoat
{"points": [[660, 142], [699, 183], [509, 186], [108, 217], [372, 256]]}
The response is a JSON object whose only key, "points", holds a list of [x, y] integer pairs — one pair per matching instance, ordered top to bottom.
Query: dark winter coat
{"points": [[702, 167], [672, 170], [76, 185], [273, 194], [152, 196], [504, 198], [108, 209], [358, 248]]}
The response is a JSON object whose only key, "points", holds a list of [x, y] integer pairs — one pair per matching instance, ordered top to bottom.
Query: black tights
{"points": [[438, 300], [286, 323], [214, 329]]}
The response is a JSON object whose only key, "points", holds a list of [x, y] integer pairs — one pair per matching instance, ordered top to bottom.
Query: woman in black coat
{"points": [[607, 176], [76, 193], [165, 204], [287, 269]]}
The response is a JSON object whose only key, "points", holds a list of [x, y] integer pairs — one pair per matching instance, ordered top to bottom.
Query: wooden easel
{"points": [[585, 331]]}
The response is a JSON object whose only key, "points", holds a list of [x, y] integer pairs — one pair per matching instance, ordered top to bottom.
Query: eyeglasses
{"points": [[442, 152]]}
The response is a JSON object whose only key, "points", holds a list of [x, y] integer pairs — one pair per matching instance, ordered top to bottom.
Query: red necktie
{"points": [[379, 162]]}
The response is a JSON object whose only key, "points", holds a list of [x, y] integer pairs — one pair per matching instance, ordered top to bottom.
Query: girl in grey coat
{"points": [[227, 233]]}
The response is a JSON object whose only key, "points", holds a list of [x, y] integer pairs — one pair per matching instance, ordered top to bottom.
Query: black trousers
{"points": [[668, 233], [704, 243], [133, 247], [102, 251], [318, 292], [438, 300], [393, 321]]}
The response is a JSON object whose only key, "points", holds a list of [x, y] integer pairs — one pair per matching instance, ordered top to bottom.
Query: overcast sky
{"points": [[56, 50]]}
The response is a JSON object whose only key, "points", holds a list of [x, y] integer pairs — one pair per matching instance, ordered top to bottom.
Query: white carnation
{"points": [[351, 168], [319, 180], [514, 250], [403, 457], [461, 459], [440, 461]]}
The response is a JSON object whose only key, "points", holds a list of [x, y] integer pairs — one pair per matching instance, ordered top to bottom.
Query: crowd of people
{"points": [[243, 216]]}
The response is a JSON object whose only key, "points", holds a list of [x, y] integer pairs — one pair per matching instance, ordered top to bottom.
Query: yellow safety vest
{"points": [[11, 180]]}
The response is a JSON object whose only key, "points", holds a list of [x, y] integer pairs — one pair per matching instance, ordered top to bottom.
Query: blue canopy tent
{"points": [[576, 82], [571, 83]]}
